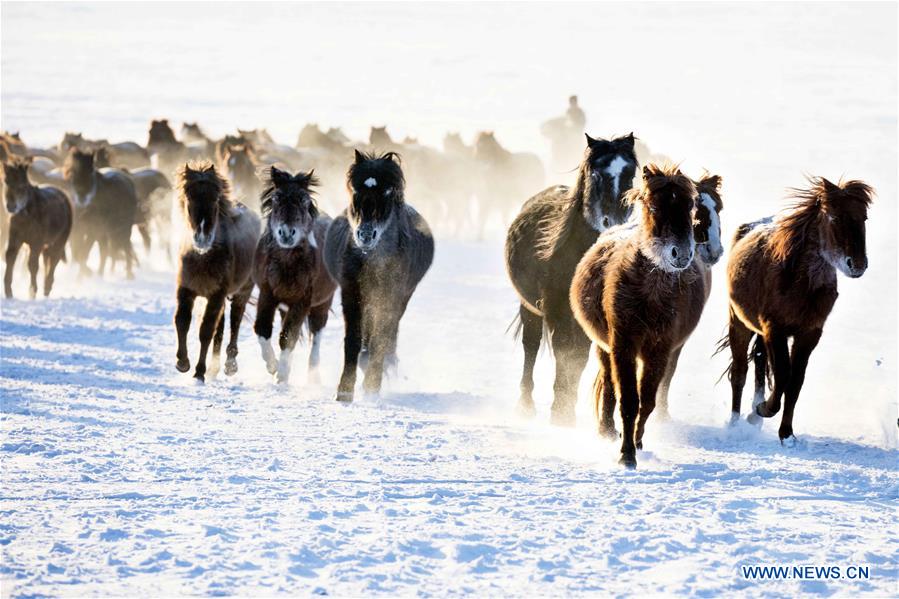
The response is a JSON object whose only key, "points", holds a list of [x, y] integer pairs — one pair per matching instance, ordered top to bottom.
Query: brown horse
{"points": [[40, 217], [215, 263], [289, 269], [782, 281], [635, 294]]}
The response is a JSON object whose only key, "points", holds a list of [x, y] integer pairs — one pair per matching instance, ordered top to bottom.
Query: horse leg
{"points": [[144, 230], [103, 246], [12, 252], [52, 256], [130, 257], [34, 262], [186, 299], [238, 306], [215, 307], [265, 317], [318, 318], [290, 332], [531, 336], [738, 337], [352, 340], [382, 342], [803, 346], [571, 348], [779, 355], [760, 359], [215, 363], [655, 367], [624, 375], [665, 385], [604, 395]]}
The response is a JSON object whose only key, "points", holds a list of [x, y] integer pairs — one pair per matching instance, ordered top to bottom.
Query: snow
{"points": [[122, 477]]}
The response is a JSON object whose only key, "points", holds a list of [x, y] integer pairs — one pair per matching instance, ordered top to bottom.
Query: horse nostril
{"points": [[605, 221], [293, 232], [374, 234], [674, 252], [849, 262]]}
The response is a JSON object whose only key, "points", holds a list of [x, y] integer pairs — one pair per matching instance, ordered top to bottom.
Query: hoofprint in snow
{"points": [[123, 477]]}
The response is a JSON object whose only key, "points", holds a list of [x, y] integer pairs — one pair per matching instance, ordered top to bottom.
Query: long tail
{"points": [[757, 353]]}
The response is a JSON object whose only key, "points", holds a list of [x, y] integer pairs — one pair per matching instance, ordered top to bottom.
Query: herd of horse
{"points": [[602, 262]]}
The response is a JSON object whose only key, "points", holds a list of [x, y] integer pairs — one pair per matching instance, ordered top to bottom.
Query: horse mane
{"points": [[388, 164], [203, 171], [657, 177], [306, 181], [711, 185], [798, 223], [554, 228]]}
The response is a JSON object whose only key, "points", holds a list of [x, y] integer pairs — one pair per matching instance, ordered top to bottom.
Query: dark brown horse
{"points": [[40, 217], [544, 245], [378, 250], [216, 263], [289, 269], [782, 281], [636, 295]]}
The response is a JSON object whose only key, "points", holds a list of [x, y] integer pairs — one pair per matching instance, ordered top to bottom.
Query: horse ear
{"points": [[629, 139], [591, 143], [360, 157], [278, 176], [713, 180], [828, 186]]}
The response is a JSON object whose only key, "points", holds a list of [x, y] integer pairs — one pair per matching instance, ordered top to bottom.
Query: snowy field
{"points": [[122, 477]]}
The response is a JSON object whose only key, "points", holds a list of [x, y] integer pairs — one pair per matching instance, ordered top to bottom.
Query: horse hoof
{"points": [[183, 365], [271, 366], [230, 367], [314, 377], [199, 379], [345, 397], [526, 409], [662, 414], [563, 418], [734, 419], [754, 419], [607, 430], [790, 441], [640, 444], [628, 461]]}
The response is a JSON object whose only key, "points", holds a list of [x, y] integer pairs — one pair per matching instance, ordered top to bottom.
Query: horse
{"points": [[192, 133], [169, 153], [125, 154], [240, 167], [504, 177], [154, 204], [106, 207], [40, 217], [544, 244], [709, 249], [378, 250], [216, 263], [289, 270], [782, 283], [638, 293]]}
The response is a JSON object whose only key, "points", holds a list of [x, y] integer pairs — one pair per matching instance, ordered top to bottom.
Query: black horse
{"points": [[106, 208], [543, 246], [377, 250]]}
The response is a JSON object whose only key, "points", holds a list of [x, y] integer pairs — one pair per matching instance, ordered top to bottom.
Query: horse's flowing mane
{"points": [[198, 174], [657, 177], [799, 222], [555, 227]]}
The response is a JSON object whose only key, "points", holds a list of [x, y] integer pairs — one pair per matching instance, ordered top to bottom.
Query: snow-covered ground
{"points": [[122, 477]]}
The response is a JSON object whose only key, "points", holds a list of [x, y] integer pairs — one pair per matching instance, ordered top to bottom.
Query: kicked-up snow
{"points": [[123, 477]]}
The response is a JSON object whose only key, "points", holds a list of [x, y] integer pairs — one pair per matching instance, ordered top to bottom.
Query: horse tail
{"points": [[723, 345]]}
